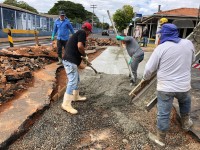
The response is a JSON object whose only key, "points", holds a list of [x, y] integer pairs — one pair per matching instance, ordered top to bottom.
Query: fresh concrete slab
{"points": [[112, 61]]}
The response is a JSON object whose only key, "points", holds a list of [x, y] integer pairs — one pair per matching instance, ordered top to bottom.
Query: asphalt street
{"points": [[46, 41]]}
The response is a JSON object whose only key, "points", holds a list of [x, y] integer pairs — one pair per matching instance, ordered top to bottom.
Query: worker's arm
{"points": [[70, 28], [55, 29], [124, 38], [81, 48], [193, 54], [152, 65]]}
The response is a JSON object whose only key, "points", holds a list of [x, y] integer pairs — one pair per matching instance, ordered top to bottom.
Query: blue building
{"points": [[18, 18]]}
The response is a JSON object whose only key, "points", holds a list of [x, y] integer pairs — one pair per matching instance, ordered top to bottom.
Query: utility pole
{"points": [[93, 7]]}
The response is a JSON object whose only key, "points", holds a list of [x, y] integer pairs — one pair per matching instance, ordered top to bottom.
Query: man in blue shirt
{"points": [[62, 25]]}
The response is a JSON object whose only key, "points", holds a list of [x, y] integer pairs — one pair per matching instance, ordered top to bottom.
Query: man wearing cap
{"points": [[162, 21], [62, 25], [73, 55], [172, 61]]}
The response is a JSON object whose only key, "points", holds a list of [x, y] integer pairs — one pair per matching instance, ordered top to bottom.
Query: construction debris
{"points": [[18, 64]]}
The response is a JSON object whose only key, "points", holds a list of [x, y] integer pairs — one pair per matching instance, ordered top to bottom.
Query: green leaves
{"points": [[20, 4], [76, 12], [123, 17]]}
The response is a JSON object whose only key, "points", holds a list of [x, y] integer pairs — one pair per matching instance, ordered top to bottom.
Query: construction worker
{"points": [[162, 21], [62, 25], [135, 52], [74, 53], [172, 60]]}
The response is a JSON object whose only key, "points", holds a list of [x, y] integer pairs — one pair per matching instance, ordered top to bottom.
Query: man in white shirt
{"points": [[137, 34], [172, 60]]}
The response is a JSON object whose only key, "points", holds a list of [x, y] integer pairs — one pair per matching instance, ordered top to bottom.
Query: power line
{"points": [[93, 7]]}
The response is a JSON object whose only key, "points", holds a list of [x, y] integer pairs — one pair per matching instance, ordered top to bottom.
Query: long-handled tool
{"points": [[121, 48], [90, 65]]}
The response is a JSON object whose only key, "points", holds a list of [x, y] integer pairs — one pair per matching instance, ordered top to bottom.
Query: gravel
{"points": [[107, 120]]}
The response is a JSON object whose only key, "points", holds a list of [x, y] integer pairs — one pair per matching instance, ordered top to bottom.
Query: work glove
{"points": [[118, 37], [52, 38], [85, 60], [130, 61]]}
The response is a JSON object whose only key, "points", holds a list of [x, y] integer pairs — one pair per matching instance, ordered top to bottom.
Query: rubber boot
{"points": [[59, 61], [77, 97], [66, 105], [186, 122], [159, 139]]}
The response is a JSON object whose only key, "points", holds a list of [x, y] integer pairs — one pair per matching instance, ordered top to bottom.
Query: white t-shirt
{"points": [[173, 62]]}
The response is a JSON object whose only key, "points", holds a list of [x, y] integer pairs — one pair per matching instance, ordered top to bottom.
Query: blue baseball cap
{"points": [[61, 13]]}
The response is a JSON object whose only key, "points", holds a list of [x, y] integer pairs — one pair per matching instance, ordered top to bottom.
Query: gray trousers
{"points": [[134, 66]]}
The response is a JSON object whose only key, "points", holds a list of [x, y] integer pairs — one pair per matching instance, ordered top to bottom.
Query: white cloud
{"points": [[146, 7]]}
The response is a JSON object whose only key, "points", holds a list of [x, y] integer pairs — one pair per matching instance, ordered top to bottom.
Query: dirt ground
{"points": [[108, 120]]}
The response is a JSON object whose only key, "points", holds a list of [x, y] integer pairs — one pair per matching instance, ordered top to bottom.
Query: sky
{"points": [[145, 7]]}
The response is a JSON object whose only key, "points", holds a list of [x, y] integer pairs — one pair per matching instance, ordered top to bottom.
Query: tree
{"points": [[20, 4], [76, 12], [122, 17], [106, 26]]}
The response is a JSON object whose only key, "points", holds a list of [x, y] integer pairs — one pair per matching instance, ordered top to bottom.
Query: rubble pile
{"points": [[101, 42], [32, 51], [18, 63], [16, 74]]}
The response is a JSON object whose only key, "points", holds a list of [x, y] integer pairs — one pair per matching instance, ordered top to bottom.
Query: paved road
{"points": [[46, 41], [25, 43]]}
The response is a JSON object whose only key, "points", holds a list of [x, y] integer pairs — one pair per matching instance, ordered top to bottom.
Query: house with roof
{"points": [[184, 18]]}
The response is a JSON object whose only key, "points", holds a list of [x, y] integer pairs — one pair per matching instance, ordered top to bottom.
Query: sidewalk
{"points": [[19, 39], [16, 115]]}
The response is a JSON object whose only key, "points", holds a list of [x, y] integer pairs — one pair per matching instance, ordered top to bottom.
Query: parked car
{"points": [[105, 32]]}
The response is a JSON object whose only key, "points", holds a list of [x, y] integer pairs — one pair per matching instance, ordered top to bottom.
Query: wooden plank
{"points": [[16, 31], [139, 87], [151, 104]]}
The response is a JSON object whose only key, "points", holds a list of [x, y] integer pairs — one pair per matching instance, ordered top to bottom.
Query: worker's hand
{"points": [[118, 37], [52, 38], [85, 59], [130, 61], [143, 82]]}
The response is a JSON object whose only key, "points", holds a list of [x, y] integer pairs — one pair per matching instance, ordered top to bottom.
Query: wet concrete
{"points": [[112, 61], [13, 119], [107, 120]]}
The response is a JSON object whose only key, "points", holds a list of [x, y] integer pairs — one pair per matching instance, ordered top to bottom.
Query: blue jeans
{"points": [[145, 41], [73, 76], [165, 103]]}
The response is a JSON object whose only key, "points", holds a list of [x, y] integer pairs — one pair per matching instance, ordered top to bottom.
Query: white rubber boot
{"points": [[59, 61], [77, 97], [66, 105], [186, 122], [159, 139]]}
